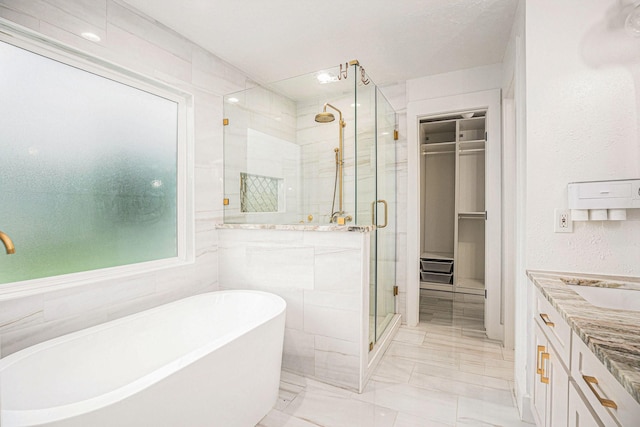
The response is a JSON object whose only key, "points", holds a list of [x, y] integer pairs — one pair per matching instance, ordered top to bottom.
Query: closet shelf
{"points": [[438, 147], [437, 255], [465, 282]]}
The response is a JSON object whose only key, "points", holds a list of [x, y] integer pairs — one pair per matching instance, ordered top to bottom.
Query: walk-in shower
{"points": [[282, 166]]}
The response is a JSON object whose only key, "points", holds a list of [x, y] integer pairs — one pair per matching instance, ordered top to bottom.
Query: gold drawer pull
{"points": [[545, 319], [541, 349], [543, 379], [604, 402]]}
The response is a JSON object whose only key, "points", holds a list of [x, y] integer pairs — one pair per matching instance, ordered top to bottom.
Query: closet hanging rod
{"points": [[438, 144], [470, 150], [463, 216]]}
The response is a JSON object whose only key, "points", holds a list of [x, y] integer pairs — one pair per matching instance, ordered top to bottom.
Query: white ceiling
{"points": [[395, 40]]}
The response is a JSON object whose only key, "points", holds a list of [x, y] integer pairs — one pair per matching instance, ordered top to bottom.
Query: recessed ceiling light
{"points": [[92, 37], [325, 77], [233, 100]]}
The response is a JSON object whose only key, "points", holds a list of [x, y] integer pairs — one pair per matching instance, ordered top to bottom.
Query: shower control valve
{"points": [[342, 220]]}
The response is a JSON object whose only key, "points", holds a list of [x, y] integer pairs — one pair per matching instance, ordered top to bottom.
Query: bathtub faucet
{"points": [[8, 243]]}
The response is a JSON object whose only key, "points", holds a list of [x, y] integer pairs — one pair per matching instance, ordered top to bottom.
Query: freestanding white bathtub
{"points": [[209, 360]]}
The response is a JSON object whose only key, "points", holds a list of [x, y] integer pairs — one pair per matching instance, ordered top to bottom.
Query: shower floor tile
{"points": [[442, 372]]}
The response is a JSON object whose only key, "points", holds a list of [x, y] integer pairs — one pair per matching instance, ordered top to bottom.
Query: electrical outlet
{"points": [[562, 221]]}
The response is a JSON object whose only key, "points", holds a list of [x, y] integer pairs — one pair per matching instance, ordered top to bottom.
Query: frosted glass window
{"points": [[88, 173]]}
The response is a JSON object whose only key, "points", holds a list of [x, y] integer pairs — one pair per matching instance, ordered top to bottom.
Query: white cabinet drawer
{"points": [[554, 327], [609, 400]]}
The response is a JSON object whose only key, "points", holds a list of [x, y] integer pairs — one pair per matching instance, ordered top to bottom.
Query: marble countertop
{"points": [[299, 227], [612, 335]]}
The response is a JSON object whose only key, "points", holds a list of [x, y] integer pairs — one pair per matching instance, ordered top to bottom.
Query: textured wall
{"points": [[135, 42], [582, 109]]}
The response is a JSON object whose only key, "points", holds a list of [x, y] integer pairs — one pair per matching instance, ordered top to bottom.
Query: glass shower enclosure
{"points": [[318, 150]]}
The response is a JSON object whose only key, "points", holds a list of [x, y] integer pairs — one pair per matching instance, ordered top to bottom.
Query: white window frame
{"points": [[185, 233]]}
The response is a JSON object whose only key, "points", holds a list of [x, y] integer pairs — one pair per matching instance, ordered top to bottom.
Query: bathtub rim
{"points": [[55, 413]]}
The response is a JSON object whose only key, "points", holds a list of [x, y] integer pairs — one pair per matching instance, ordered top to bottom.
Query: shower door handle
{"points": [[373, 213]]}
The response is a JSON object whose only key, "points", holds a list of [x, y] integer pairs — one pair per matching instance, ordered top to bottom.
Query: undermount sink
{"points": [[616, 298]]}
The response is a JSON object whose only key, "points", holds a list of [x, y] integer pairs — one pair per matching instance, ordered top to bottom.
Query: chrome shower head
{"points": [[325, 117]]}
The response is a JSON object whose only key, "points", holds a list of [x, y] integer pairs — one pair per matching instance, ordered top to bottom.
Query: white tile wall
{"points": [[131, 40], [320, 275]]}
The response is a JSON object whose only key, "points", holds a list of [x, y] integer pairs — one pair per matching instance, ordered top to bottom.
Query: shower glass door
{"points": [[386, 195], [376, 198]]}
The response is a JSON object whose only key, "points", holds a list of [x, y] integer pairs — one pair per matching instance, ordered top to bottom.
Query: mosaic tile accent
{"points": [[258, 193]]}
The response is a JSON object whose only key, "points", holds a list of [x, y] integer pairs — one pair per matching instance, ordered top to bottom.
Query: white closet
{"points": [[453, 213]]}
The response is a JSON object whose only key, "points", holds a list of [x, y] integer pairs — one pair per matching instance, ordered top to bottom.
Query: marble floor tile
{"points": [[473, 333], [409, 336], [464, 351], [422, 353], [508, 354], [487, 359], [394, 369], [491, 371], [444, 372], [461, 376], [292, 378], [462, 388], [286, 394], [429, 404], [327, 409], [473, 412], [277, 418], [406, 420]]}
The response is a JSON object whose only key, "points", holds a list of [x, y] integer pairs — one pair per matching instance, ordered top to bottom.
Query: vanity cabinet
{"points": [[571, 386], [550, 396]]}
